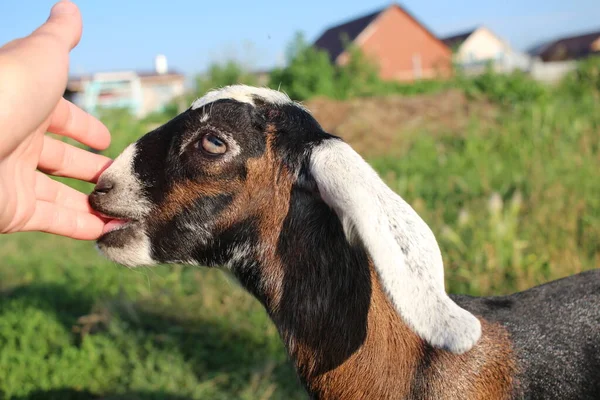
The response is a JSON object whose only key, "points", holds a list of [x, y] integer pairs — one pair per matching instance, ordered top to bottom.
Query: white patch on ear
{"points": [[243, 94], [403, 248]]}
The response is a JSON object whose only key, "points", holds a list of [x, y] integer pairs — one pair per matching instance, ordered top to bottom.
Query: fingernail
{"points": [[63, 7]]}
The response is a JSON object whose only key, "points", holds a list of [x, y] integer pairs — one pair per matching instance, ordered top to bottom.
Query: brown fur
{"points": [[182, 194], [270, 207], [383, 367]]}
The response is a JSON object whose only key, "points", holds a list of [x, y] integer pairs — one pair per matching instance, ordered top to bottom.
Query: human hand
{"points": [[33, 77]]}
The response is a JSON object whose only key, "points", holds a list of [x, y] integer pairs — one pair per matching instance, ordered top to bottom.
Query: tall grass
{"points": [[514, 204]]}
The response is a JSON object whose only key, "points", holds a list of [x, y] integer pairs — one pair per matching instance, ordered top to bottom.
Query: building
{"points": [[403, 48], [477, 48], [568, 48], [141, 92]]}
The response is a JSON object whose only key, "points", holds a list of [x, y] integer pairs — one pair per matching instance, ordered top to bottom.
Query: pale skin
{"points": [[33, 77]]}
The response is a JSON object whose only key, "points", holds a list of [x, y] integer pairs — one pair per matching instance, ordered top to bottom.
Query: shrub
{"points": [[308, 72], [585, 79], [505, 89]]}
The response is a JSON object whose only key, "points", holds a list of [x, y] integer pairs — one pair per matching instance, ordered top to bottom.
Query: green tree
{"points": [[308, 71], [359, 76]]}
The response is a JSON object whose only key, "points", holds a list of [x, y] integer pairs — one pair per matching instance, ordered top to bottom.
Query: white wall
{"points": [[482, 45], [551, 71]]}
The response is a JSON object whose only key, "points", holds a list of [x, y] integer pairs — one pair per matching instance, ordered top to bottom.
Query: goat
{"points": [[246, 179]]}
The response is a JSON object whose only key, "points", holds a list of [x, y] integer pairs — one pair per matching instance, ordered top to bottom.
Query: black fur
{"points": [[326, 287], [555, 330]]}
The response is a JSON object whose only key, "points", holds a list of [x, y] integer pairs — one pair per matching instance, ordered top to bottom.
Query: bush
{"points": [[308, 72], [358, 77], [584, 80], [505, 89]]}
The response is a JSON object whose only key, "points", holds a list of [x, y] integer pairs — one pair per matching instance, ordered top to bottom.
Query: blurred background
{"points": [[485, 116]]}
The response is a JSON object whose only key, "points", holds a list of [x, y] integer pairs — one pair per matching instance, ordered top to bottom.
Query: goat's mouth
{"points": [[115, 223], [124, 240]]}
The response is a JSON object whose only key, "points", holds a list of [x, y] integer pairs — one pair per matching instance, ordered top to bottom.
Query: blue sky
{"points": [[127, 34]]}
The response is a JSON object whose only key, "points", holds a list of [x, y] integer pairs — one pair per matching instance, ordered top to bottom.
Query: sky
{"points": [[128, 34]]}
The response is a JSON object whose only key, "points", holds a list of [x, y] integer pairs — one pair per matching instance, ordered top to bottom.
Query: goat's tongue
{"points": [[113, 224]]}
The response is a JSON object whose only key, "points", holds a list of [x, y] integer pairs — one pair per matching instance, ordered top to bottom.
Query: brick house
{"points": [[403, 48]]}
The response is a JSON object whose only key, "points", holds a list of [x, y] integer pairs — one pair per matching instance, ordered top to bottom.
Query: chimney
{"points": [[160, 64]]}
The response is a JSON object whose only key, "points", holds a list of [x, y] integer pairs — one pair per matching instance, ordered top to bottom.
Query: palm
{"points": [[21, 181], [33, 201]]}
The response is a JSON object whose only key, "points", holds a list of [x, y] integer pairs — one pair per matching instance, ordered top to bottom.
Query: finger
{"points": [[71, 121], [62, 159], [51, 191], [51, 218]]}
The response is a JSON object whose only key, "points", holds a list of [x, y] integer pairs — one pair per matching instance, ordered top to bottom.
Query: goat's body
{"points": [[351, 276], [555, 334]]}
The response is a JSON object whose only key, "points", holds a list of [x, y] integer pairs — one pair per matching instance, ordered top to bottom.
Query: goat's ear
{"points": [[403, 248]]}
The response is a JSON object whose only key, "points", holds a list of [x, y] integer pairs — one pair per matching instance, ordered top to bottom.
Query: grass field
{"points": [[514, 202]]}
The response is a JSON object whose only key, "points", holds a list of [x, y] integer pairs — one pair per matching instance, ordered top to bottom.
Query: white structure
{"points": [[477, 48], [160, 64], [141, 92]]}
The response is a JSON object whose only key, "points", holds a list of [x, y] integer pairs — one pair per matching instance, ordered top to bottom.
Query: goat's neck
{"points": [[324, 297], [340, 329]]}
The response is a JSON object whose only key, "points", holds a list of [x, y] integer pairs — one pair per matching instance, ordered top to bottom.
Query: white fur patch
{"points": [[243, 94], [127, 197], [403, 248], [136, 252], [238, 254]]}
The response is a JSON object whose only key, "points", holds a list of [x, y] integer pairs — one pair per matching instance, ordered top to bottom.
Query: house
{"points": [[403, 48], [476, 48], [568, 48], [141, 92]]}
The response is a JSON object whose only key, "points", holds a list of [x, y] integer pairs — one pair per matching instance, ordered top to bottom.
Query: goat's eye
{"points": [[213, 145]]}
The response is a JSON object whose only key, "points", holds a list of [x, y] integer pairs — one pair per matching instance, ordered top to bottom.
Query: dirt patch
{"points": [[377, 125]]}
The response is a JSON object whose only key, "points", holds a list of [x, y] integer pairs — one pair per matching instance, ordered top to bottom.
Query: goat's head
{"points": [[205, 186]]}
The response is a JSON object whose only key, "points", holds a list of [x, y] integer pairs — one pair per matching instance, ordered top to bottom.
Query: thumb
{"points": [[64, 24], [34, 71]]}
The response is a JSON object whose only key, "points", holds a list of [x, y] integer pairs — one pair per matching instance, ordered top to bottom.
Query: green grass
{"points": [[513, 204], [148, 333]]}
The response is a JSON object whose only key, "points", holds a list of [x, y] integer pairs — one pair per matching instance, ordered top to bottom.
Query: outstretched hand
{"points": [[33, 77]]}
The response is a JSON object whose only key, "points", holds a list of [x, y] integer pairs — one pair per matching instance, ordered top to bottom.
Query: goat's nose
{"points": [[103, 187]]}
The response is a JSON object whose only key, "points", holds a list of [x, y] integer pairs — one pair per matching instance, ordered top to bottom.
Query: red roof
{"points": [[332, 40]]}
